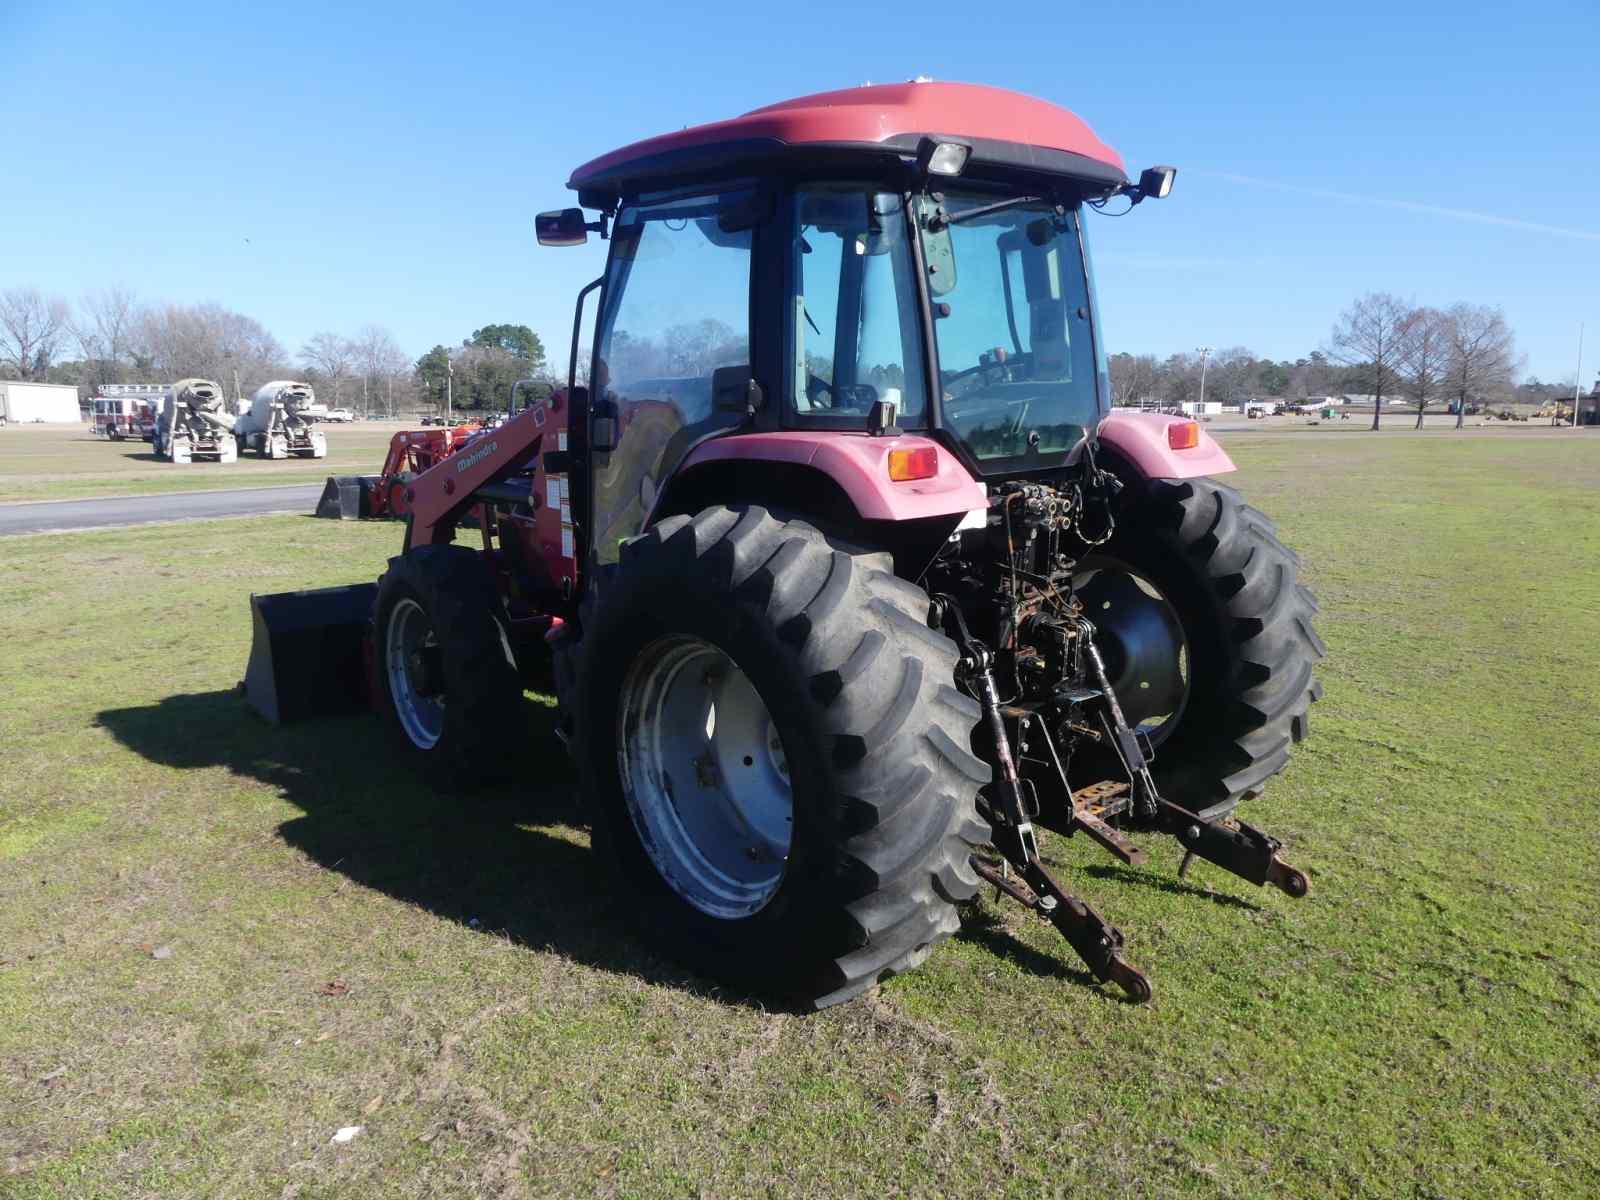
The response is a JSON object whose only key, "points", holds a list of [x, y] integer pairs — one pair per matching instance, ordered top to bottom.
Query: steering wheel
{"points": [[1025, 358], [815, 384], [842, 397]]}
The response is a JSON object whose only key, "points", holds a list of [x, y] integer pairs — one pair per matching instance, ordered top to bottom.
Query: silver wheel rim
{"points": [[410, 632], [1141, 635], [705, 777]]}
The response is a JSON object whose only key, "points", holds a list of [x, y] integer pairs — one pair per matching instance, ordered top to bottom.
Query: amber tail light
{"points": [[1183, 435], [921, 463]]}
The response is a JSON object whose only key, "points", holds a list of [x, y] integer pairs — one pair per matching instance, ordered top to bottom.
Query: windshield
{"points": [[1012, 314]]}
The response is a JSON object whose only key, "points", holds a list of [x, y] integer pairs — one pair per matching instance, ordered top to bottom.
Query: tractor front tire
{"points": [[1246, 622], [446, 676], [827, 850]]}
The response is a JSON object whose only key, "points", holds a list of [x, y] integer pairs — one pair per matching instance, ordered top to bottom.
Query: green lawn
{"points": [[53, 462], [180, 885]]}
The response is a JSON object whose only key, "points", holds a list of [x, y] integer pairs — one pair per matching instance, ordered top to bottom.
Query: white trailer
{"points": [[39, 403]]}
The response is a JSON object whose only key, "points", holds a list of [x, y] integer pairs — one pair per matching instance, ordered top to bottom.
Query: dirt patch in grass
{"points": [[1426, 1023]]}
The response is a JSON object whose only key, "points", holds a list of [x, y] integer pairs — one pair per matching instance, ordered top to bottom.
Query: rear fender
{"points": [[1140, 439], [858, 465], [798, 483]]}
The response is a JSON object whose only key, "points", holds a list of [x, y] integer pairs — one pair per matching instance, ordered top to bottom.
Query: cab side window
{"points": [[677, 308]]}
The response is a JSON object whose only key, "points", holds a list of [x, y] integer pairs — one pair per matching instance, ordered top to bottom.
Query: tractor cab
{"points": [[906, 258]]}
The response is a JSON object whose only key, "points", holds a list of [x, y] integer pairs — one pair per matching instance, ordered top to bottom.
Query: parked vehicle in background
{"points": [[127, 410], [342, 415], [117, 418], [282, 422], [194, 425]]}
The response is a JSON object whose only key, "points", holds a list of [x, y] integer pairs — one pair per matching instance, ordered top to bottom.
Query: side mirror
{"points": [[564, 227]]}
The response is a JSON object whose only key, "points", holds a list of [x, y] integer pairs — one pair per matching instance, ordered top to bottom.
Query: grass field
{"points": [[52, 462], [220, 943]]}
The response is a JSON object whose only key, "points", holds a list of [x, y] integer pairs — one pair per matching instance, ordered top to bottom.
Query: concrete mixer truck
{"points": [[282, 422], [194, 424]]}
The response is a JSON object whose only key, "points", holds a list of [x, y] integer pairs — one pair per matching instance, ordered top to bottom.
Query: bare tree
{"points": [[31, 324], [105, 329], [1368, 337], [205, 341], [375, 355], [1482, 355], [330, 356], [1424, 356], [396, 370], [1231, 373], [1133, 378]]}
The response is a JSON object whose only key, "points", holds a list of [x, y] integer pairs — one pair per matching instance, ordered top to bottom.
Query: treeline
{"points": [[112, 336], [1381, 346], [481, 371], [1232, 376]]}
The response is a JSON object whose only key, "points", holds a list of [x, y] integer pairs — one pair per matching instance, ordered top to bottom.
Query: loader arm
{"points": [[441, 495]]}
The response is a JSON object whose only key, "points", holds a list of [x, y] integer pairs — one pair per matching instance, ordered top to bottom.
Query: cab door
{"points": [[674, 330]]}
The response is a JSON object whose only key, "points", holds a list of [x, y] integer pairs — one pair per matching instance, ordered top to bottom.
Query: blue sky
{"points": [[324, 166]]}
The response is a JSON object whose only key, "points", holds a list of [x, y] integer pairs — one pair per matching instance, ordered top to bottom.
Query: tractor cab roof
{"points": [[1007, 132]]}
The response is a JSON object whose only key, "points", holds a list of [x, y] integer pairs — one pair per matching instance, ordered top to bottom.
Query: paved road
{"points": [[57, 516]]}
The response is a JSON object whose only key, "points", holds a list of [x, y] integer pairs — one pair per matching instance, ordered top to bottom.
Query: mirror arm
{"points": [[577, 330]]}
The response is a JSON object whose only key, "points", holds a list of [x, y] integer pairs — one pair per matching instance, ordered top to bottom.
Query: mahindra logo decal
{"points": [[467, 461]]}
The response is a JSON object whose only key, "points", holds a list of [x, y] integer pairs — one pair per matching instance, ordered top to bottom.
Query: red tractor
{"points": [[411, 452], [846, 574]]}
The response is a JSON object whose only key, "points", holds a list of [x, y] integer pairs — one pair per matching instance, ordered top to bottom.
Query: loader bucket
{"points": [[347, 497], [308, 654]]}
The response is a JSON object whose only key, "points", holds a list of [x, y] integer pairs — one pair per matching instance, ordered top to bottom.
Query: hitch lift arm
{"points": [[1231, 844], [1097, 942]]}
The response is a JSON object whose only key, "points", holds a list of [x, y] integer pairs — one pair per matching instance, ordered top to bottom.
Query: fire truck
{"points": [[127, 410]]}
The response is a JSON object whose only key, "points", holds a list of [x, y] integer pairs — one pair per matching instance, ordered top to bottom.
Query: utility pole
{"points": [[1205, 353], [1577, 383], [449, 389]]}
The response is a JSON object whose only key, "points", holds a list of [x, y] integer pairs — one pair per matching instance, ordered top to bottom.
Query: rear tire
{"points": [[1246, 620], [446, 675], [860, 693]]}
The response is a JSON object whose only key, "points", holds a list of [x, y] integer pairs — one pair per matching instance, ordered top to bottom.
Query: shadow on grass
{"points": [[143, 456], [370, 818], [473, 858], [1161, 883], [985, 929]]}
